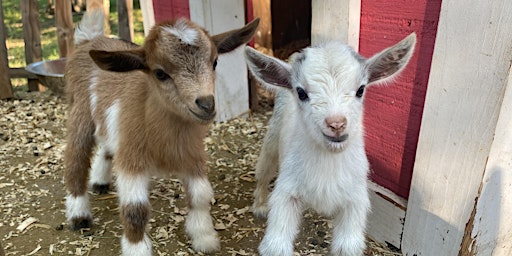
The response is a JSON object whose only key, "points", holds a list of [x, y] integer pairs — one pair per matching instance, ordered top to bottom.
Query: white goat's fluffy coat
{"points": [[315, 142]]}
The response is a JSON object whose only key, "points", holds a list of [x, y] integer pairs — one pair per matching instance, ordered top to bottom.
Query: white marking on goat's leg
{"points": [[101, 175], [78, 211], [134, 213], [283, 223], [199, 224], [349, 225], [140, 249]]}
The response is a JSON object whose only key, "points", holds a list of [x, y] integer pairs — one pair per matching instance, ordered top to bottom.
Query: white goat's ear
{"points": [[230, 40], [119, 61], [388, 63], [268, 70]]}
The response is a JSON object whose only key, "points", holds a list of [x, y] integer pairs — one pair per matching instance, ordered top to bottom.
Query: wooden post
{"points": [[148, 15], [125, 18], [64, 23], [32, 36], [468, 77], [5, 81], [231, 84], [491, 229]]}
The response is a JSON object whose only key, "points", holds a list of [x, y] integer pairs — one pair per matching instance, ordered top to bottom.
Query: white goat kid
{"points": [[148, 109], [315, 140]]}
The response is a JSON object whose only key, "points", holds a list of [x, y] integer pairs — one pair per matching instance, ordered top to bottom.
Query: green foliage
{"points": [[14, 29]]}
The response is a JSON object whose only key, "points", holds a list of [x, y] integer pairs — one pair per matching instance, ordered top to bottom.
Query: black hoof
{"points": [[101, 188], [80, 223]]}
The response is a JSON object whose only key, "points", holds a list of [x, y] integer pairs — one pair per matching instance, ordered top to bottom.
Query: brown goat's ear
{"points": [[230, 40], [119, 61], [388, 63]]}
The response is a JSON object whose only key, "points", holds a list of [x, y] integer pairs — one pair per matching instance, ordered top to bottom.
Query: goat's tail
{"points": [[90, 26]]}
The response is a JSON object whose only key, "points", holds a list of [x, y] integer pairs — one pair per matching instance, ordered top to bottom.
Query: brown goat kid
{"points": [[147, 109]]}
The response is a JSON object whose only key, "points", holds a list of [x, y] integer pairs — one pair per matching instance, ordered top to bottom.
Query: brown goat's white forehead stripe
{"points": [[183, 31]]}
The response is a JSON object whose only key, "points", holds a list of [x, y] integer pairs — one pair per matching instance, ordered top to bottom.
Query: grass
{"points": [[50, 50]]}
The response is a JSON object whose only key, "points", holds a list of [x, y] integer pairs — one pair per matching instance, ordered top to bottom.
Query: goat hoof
{"points": [[101, 188], [260, 211], [79, 223], [207, 243]]}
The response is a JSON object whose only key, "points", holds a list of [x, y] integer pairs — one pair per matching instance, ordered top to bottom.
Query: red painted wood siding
{"points": [[170, 9], [393, 113]]}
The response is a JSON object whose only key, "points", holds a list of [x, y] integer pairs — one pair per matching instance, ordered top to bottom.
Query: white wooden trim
{"points": [[148, 15], [336, 20], [329, 21], [354, 23], [467, 80], [232, 85], [385, 222], [492, 230]]}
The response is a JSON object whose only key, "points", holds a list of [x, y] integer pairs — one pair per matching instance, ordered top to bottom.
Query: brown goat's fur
{"points": [[161, 122]]}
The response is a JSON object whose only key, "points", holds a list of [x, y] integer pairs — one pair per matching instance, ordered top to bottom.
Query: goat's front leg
{"points": [[266, 170], [135, 210], [199, 223], [283, 223], [349, 228]]}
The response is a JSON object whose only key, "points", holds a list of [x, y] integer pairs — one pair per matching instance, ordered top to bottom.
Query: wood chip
{"points": [[26, 223]]}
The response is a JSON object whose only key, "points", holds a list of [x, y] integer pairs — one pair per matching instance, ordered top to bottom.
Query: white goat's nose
{"points": [[336, 123]]}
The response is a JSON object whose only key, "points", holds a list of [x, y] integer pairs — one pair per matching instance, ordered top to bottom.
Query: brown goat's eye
{"points": [[214, 64], [161, 75], [360, 91]]}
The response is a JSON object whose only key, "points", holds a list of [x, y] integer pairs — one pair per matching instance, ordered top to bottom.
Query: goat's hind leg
{"points": [[77, 159], [101, 170], [199, 223]]}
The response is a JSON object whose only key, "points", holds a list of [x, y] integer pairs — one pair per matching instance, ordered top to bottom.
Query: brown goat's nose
{"points": [[206, 103], [336, 123]]}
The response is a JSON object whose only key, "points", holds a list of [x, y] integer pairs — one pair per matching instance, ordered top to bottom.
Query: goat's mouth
{"points": [[204, 116], [338, 139]]}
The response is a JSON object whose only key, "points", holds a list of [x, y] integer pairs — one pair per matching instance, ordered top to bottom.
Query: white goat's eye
{"points": [[161, 75], [360, 91], [303, 96]]}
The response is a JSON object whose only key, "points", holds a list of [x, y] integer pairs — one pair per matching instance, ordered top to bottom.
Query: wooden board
{"points": [[172, 9], [148, 15], [125, 19], [330, 21], [64, 23], [32, 37], [5, 81], [467, 81], [231, 85], [393, 113], [386, 220], [492, 227]]}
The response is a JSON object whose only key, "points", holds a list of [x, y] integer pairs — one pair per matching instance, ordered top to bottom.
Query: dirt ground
{"points": [[32, 191]]}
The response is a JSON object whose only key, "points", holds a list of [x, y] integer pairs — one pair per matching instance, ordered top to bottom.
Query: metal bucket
{"points": [[50, 73]]}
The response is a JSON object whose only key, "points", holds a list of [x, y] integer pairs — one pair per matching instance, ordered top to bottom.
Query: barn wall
{"points": [[166, 9], [393, 113]]}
